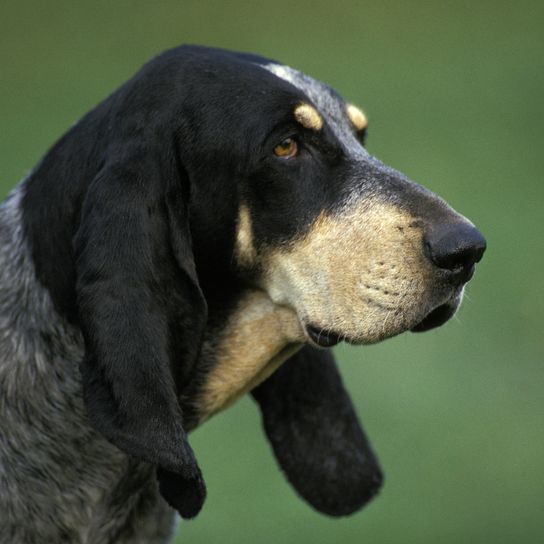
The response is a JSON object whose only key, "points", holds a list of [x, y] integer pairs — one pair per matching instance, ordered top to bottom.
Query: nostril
{"points": [[455, 247]]}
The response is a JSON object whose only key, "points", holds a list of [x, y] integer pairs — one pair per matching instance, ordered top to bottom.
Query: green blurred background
{"points": [[455, 96]]}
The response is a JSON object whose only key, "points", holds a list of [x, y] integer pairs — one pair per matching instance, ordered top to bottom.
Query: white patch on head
{"points": [[283, 72], [329, 104]]}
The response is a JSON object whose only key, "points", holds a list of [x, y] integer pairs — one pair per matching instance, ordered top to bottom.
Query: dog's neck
{"points": [[256, 338]]}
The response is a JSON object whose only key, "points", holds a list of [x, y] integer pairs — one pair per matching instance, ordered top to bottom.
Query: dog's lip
{"points": [[435, 318], [324, 338]]}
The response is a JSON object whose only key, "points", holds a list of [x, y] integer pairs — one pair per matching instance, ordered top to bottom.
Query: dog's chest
{"points": [[61, 481]]}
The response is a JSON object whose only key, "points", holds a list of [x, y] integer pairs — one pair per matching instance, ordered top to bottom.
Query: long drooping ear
{"points": [[142, 314], [316, 436]]}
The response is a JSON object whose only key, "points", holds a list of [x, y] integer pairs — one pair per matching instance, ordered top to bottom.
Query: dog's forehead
{"points": [[319, 93], [330, 104]]}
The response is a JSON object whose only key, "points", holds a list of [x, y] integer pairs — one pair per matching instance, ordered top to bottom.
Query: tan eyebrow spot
{"points": [[308, 117], [357, 117]]}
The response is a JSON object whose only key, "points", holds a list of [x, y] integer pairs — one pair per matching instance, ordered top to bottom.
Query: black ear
{"points": [[142, 314], [316, 436]]}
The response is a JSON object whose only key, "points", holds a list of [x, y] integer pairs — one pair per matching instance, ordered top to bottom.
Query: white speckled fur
{"points": [[59, 478]]}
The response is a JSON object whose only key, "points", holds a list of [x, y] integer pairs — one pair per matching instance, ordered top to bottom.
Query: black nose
{"points": [[455, 247]]}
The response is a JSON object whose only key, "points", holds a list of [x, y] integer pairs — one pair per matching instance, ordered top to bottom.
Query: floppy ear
{"points": [[142, 314], [316, 436]]}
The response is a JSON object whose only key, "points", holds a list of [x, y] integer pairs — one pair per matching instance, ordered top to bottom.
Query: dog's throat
{"points": [[257, 338]]}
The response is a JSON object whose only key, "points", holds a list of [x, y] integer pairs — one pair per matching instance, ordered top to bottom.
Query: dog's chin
{"points": [[325, 338]]}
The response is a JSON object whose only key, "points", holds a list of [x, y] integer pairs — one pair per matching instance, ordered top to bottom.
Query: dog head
{"points": [[208, 174], [357, 250]]}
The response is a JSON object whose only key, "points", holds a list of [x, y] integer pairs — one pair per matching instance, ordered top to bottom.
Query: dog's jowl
{"points": [[203, 233]]}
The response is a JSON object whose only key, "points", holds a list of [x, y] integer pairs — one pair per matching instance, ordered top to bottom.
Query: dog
{"points": [[204, 232]]}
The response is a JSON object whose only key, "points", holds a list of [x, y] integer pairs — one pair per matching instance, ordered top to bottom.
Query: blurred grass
{"points": [[454, 92]]}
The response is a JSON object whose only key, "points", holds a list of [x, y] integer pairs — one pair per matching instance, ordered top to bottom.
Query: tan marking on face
{"points": [[308, 117], [357, 117], [244, 249], [361, 273], [258, 338]]}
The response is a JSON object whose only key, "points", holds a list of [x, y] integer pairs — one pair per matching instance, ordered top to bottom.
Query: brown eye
{"points": [[286, 149]]}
